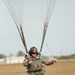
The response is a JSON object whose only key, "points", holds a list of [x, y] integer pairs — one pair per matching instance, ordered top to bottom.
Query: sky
{"points": [[60, 37]]}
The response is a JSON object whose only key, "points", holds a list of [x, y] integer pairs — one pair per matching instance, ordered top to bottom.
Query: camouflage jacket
{"points": [[36, 62]]}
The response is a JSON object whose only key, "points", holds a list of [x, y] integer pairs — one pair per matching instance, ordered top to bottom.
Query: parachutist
{"points": [[34, 62]]}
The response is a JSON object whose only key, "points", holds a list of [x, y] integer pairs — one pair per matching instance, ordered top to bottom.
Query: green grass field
{"points": [[60, 68]]}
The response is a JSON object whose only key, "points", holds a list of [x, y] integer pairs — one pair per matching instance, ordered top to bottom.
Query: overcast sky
{"points": [[60, 36]]}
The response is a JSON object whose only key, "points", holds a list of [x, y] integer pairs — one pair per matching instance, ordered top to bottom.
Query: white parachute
{"points": [[15, 8]]}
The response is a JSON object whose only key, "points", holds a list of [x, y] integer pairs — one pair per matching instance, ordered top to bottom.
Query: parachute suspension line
{"points": [[47, 7], [15, 8], [50, 9], [44, 33], [23, 40]]}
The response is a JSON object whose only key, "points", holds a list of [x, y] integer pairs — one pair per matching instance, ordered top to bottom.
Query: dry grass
{"points": [[59, 68]]}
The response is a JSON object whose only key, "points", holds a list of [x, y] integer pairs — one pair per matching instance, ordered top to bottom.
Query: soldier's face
{"points": [[34, 55]]}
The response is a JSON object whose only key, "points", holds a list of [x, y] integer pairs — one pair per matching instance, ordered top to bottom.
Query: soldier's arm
{"points": [[26, 60], [48, 60]]}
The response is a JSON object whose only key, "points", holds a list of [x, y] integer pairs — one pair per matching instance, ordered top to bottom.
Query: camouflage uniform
{"points": [[36, 68]]}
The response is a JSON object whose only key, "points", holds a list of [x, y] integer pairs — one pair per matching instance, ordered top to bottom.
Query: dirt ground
{"points": [[60, 68]]}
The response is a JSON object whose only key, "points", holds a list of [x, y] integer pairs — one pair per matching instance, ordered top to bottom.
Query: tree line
{"points": [[21, 53], [72, 56]]}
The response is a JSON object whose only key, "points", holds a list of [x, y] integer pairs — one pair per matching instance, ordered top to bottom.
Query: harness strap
{"points": [[34, 71]]}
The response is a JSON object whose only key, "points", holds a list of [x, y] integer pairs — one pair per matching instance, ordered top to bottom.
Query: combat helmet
{"points": [[33, 50]]}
